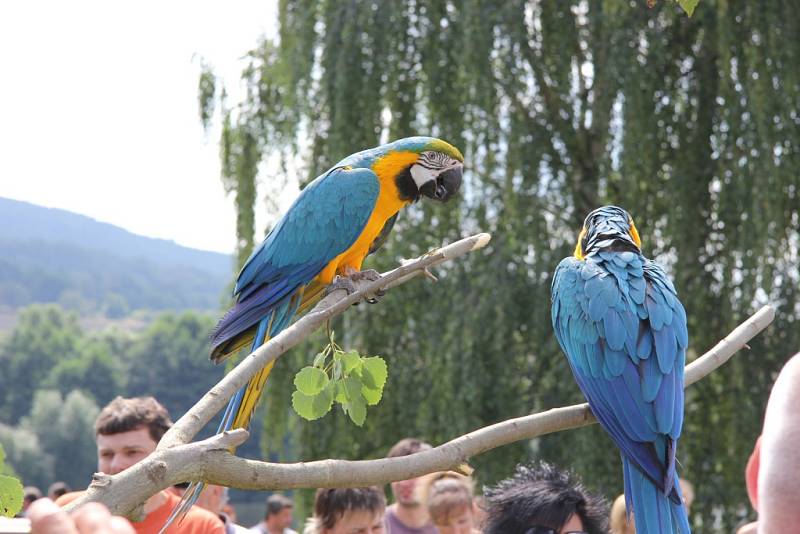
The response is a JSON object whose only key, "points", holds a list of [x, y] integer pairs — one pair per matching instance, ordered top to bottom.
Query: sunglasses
{"points": [[547, 530]]}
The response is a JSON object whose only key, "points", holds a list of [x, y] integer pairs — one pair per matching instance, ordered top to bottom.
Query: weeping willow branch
{"points": [[211, 461]]}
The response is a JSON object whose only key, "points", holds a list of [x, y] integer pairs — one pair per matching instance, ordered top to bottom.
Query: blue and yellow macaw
{"points": [[338, 219], [618, 319]]}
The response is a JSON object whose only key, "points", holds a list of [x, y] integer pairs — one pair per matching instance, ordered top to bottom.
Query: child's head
{"points": [[449, 502], [339, 511]]}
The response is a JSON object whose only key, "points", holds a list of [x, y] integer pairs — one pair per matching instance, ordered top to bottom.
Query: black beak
{"points": [[445, 186]]}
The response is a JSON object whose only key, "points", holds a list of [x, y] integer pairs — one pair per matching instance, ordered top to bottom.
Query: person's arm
{"points": [[779, 469]]}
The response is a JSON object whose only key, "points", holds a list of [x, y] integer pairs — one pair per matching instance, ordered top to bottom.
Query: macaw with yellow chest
{"points": [[338, 219], [320, 242], [618, 319]]}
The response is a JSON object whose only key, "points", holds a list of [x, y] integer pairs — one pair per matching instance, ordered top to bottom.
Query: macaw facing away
{"points": [[339, 218], [618, 319]]}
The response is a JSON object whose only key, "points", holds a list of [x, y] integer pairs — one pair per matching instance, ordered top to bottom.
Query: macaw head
{"points": [[421, 166], [607, 228]]}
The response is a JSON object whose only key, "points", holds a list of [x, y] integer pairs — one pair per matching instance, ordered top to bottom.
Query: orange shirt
{"points": [[196, 521]]}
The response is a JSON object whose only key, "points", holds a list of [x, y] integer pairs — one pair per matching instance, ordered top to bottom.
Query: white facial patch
{"points": [[421, 175]]}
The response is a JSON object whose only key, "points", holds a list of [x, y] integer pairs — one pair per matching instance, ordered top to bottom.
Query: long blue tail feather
{"points": [[653, 510]]}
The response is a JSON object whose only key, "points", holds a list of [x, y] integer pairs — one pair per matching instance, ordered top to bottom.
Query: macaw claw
{"points": [[371, 275], [341, 282], [348, 283]]}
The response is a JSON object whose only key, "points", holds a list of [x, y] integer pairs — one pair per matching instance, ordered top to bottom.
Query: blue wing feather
{"points": [[324, 221], [634, 382]]}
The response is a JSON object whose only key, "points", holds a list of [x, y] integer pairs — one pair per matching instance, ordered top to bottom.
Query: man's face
{"points": [[117, 452], [405, 493], [284, 517], [357, 522]]}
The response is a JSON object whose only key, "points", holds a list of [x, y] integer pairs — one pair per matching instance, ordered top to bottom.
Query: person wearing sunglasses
{"points": [[542, 499]]}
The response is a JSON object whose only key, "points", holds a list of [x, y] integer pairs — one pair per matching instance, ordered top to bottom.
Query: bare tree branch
{"points": [[211, 461]]}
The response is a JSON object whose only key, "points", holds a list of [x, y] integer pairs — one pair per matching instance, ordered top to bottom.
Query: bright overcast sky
{"points": [[98, 110]]}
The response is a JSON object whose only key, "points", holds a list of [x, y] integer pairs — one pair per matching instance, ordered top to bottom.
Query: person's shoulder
{"points": [[201, 516], [197, 520]]}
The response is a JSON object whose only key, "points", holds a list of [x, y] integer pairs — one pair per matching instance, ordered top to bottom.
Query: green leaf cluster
{"points": [[346, 377], [10, 489]]}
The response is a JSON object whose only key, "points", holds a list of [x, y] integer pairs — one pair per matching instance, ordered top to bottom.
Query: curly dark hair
{"points": [[542, 494]]}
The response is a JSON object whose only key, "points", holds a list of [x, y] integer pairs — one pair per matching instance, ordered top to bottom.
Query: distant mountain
{"points": [[52, 255]]}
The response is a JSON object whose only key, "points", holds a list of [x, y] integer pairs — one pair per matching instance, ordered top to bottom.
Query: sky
{"points": [[99, 112]]}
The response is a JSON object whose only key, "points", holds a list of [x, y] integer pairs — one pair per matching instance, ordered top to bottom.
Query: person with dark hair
{"points": [[126, 432], [57, 489], [29, 494], [542, 499], [347, 511], [408, 514], [278, 517]]}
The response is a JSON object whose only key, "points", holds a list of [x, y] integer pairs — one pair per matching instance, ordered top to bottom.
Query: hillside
{"points": [[52, 255]]}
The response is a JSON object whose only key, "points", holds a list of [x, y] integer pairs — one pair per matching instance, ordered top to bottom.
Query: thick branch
{"points": [[211, 461]]}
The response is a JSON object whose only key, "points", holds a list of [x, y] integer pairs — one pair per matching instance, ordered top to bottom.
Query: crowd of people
{"points": [[539, 498]]}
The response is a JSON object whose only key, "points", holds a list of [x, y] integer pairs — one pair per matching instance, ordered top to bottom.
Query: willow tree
{"points": [[691, 124]]}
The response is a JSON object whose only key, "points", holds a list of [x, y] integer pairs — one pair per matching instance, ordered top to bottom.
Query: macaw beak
{"points": [[445, 185]]}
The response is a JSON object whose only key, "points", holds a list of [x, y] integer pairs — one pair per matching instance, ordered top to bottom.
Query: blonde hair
{"points": [[444, 493], [619, 523]]}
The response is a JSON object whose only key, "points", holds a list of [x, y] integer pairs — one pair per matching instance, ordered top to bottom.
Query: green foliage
{"points": [[206, 91], [688, 123], [44, 335], [173, 351], [96, 369], [348, 378], [65, 427], [27, 457], [10, 489]]}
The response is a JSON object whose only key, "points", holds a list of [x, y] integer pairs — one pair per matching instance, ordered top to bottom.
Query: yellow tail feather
{"points": [[309, 296], [251, 395]]}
